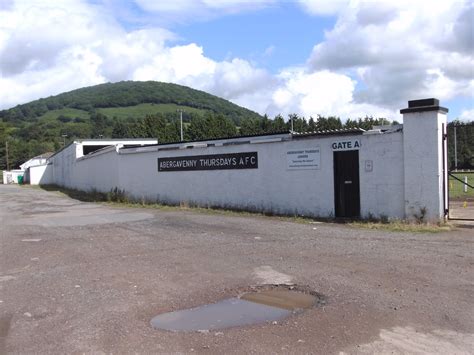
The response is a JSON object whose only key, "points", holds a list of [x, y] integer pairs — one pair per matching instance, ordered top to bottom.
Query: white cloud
{"points": [[324, 7], [195, 10], [402, 50], [321, 93], [467, 116]]}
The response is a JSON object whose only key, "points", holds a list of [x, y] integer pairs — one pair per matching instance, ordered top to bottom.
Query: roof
{"points": [[329, 132], [43, 156]]}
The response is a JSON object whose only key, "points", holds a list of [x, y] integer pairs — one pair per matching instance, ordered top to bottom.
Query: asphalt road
{"points": [[78, 277]]}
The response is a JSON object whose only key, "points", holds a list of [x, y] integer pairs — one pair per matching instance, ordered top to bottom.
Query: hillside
{"points": [[126, 99], [125, 109]]}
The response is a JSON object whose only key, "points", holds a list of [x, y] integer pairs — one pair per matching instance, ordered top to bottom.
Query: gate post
{"points": [[424, 126]]}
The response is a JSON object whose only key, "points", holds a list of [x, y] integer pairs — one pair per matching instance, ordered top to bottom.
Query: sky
{"points": [[341, 58]]}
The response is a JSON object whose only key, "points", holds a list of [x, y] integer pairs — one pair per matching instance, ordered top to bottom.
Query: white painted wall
{"points": [[423, 158], [33, 162], [97, 171], [41, 174], [11, 176], [272, 187], [382, 189]]}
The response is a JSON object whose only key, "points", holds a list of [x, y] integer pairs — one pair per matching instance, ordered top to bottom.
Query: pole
{"points": [[291, 118], [181, 122], [6, 151], [455, 151]]}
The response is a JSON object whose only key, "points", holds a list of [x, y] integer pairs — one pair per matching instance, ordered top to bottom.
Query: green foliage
{"points": [[124, 94], [142, 110], [210, 126], [465, 145], [456, 187], [117, 195]]}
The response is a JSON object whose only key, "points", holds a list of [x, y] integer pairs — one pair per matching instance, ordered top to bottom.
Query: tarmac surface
{"points": [[79, 277]]}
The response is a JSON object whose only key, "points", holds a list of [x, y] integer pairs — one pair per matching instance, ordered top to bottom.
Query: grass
{"points": [[141, 110], [137, 111], [67, 112], [456, 188], [117, 198], [403, 226]]}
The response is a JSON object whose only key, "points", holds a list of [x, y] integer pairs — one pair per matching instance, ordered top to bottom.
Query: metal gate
{"points": [[460, 158]]}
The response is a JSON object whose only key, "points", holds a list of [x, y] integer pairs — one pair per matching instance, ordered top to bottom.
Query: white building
{"points": [[38, 160], [394, 172], [14, 176]]}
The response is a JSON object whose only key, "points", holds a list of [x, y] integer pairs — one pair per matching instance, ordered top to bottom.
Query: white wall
{"points": [[423, 158], [97, 171], [399, 172], [40, 174], [11, 176], [273, 187], [382, 189]]}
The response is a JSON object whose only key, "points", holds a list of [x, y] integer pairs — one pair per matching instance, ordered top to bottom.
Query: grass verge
{"points": [[117, 198], [403, 226]]}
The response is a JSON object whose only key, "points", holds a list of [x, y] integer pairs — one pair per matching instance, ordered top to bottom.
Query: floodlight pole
{"points": [[181, 122], [455, 150], [6, 153]]}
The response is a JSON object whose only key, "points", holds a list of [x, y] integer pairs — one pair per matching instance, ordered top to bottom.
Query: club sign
{"points": [[247, 160]]}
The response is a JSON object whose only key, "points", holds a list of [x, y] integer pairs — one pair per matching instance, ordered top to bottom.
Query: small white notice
{"points": [[352, 144], [304, 158]]}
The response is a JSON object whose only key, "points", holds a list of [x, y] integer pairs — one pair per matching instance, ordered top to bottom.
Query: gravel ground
{"points": [[78, 277]]}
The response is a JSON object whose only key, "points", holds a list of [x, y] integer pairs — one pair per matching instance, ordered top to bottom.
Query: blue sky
{"points": [[274, 38], [346, 58]]}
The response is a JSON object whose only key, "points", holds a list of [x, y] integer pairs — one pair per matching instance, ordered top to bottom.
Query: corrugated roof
{"points": [[342, 131], [43, 156]]}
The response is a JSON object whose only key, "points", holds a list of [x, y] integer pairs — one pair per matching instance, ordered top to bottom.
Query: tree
{"points": [[99, 124], [120, 130]]}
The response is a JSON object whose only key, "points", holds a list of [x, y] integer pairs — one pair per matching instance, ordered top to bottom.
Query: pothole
{"points": [[265, 304]]}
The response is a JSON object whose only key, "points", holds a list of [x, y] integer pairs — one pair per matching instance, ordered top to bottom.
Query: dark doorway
{"points": [[346, 184]]}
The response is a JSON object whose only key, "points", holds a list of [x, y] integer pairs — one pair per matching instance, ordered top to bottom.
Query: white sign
{"points": [[352, 144], [305, 158]]}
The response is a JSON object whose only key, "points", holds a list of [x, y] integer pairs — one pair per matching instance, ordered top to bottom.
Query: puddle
{"points": [[250, 308]]}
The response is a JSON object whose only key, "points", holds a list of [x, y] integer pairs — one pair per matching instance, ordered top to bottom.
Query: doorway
{"points": [[346, 184]]}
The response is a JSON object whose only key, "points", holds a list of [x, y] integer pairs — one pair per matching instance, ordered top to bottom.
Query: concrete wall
{"points": [[97, 171], [424, 172], [40, 174], [382, 175], [11, 176], [272, 187]]}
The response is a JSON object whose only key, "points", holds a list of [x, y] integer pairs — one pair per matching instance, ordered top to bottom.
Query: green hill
{"points": [[126, 99], [121, 110]]}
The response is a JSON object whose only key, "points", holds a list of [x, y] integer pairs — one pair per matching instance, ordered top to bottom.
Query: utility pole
{"points": [[181, 122], [455, 150], [6, 151]]}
